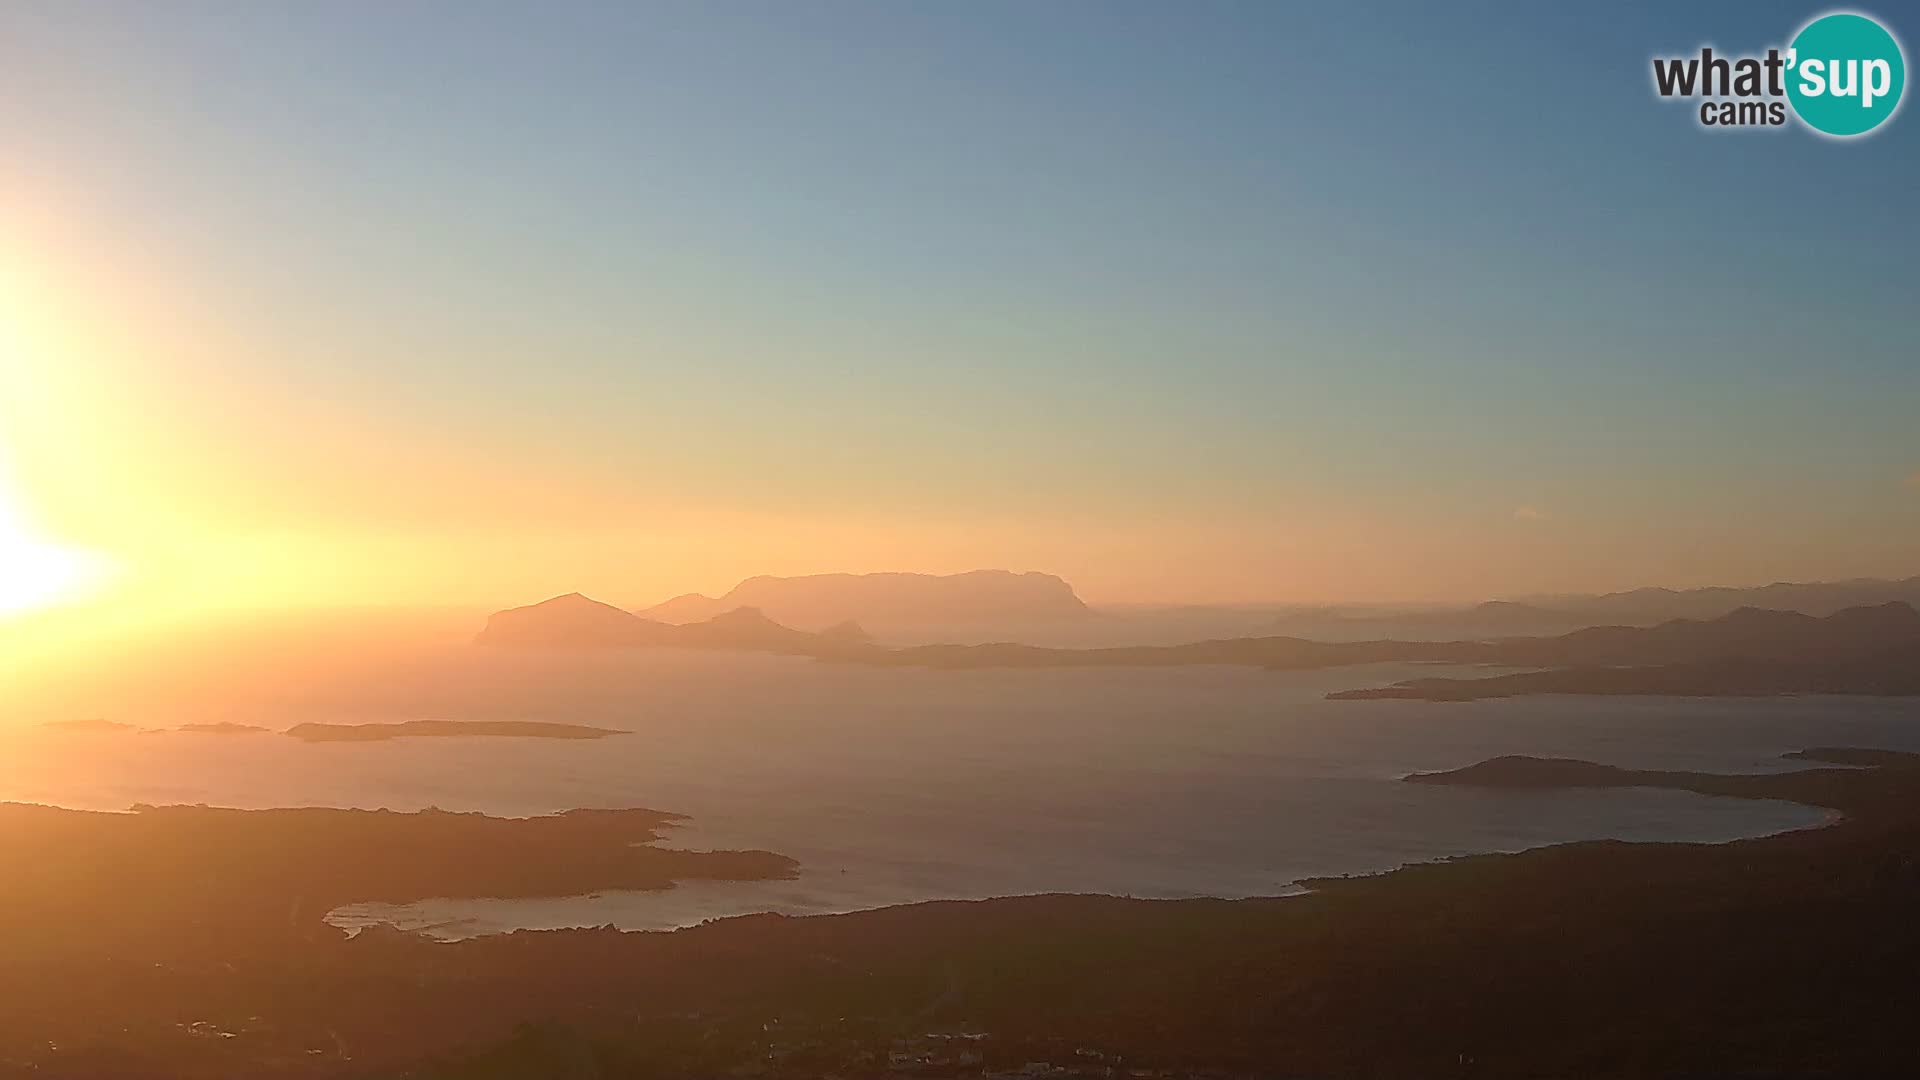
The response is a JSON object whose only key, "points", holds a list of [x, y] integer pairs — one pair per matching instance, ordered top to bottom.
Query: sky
{"points": [[426, 303]]}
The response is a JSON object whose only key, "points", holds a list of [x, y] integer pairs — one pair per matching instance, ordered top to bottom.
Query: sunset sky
{"points": [[1215, 302]]}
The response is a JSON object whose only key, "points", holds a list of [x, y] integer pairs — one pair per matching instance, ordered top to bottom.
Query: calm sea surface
{"points": [[893, 786]]}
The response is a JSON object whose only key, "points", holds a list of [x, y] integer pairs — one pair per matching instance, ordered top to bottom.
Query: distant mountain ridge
{"points": [[888, 599], [1652, 605], [1557, 614], [1492, 617], [576, 621], [1746, 633], [1750, 634], [1869, 650], [1749, 652]]}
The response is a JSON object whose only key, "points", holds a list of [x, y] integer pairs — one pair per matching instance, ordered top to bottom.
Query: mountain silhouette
{"points": [[888, 600], [1653, 605], [1554, 614], [1493, 617], [575, 621], [848, 632], [1747, 633], [1866, 638], [1871, 649], [1745, 653]]}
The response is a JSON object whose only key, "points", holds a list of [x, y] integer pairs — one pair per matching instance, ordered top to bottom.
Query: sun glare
{"points": [[35, 572], [36, 575]]}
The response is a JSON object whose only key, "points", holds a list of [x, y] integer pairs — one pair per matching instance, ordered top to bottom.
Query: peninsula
{"points": [[155, 928]]}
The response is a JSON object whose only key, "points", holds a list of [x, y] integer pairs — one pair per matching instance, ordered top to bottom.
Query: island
{"points": [[1872, 649], [448, 729], [1830, 789]]}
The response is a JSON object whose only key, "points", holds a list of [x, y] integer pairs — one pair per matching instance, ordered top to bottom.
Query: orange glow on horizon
{"points": [[36, 572]]}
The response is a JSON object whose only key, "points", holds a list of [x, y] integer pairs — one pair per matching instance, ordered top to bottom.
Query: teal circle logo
{"points": [[1845, 74]]}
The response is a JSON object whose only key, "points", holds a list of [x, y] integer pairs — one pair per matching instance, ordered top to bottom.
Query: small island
{"points": [[448, 729], [1871, 778]]}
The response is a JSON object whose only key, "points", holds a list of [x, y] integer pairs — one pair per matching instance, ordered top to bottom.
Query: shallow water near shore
{"points": [[896, 786]]}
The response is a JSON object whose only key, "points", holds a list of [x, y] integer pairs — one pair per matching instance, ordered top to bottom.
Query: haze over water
{"points": [[901, 785]]}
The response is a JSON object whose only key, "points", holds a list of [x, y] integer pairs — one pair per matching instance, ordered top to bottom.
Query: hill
{"points": [[889, 600], [1647, 606], [1557, 614], [1493, 618], [575, 621], [1863, 650], [1746, 653]]}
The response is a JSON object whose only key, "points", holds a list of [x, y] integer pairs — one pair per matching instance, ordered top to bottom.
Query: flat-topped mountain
{"points": [[889, 599]]}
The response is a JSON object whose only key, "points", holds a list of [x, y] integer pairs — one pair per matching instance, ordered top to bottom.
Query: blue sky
{"points": [[1297, 272]]}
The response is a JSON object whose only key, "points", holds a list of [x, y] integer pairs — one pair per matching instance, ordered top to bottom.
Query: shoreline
{"points": [[441, 911], [1469, 954]]}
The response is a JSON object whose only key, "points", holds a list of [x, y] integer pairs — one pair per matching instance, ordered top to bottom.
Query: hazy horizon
{"points": [[296, 312], [804, 539]]}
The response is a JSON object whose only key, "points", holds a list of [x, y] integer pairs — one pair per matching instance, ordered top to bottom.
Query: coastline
{"points": [[817, 894], [1462, 953]]}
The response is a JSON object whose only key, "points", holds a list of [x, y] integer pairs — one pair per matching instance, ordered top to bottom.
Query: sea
{"points": [[895, 786]]}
